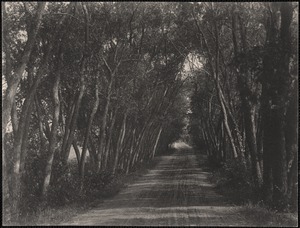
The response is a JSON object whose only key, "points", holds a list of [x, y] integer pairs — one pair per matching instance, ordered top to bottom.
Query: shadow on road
{"points": [[175, 192]]}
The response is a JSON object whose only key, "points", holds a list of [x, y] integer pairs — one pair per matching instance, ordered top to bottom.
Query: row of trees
{"points": [[103, 78], [109, 80], [245, 99]]}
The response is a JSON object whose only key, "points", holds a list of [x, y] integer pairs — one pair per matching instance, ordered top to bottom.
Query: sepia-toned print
{"points": [[150, 114]]}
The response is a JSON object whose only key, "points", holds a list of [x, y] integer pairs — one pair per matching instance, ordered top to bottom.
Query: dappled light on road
{"points": [[176, 192]]}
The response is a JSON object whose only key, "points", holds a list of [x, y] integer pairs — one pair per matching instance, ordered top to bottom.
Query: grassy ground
{"points": [[261, 215], [53, 216]]}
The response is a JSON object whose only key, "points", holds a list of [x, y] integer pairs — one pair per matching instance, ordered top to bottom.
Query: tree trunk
{"points": [[83, 69], [215, 74], [277, 84], [9, 96], [9, 100], [247, 105], [249, 113], [14, 118], [225, 119], [104, 123], [68, 125], [87, 133], [291, 135], [42, 136], [53, 136], [25, 140], [139, 141], [156, 141], [20, 142], [120, 142], [107, 148], [66, 150], [267, 150], [77, 152], [92, 152], [279, 156], [129, 161]]}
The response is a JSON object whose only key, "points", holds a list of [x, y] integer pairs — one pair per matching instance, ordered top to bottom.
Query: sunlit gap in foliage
{"points": [[193, 62], [180, 145]]}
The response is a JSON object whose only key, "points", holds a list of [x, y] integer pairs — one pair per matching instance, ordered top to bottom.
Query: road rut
{"points": [[174, 193]]}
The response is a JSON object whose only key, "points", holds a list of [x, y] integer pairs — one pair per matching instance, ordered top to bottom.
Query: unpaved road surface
{"points": [[175, 193]]}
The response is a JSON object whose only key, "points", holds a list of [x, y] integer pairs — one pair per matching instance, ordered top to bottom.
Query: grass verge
{"points": [[262, 216]]}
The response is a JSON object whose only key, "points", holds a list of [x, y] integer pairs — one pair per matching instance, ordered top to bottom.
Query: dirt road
{"points": [[175, 193]]}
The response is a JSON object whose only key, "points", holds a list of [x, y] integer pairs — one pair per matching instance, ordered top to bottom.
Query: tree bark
{"points": [[83, 69], [215, 74], [276, 85], [10, 92], [9, 100], [247, 105], [104, 123], [68, 125], [87, 133], [42, 134], [291, 135], [53, 137], [156, 141], [20, 142], [120, 142], [252, 144], [107, 148], [66, 150], [77, 151], [92, 152], [129, 161]]}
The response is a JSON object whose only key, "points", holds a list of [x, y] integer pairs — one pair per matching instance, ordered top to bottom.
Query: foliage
{"points": [[120, 81], [233, 104], [235, 181], [270, 218]]}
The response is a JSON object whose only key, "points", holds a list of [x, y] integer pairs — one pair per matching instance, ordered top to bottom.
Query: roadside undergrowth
{"points": [[234, 183], [54, 213], [262, 216]]}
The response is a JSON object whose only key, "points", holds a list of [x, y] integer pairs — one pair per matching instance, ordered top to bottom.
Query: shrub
{"points": [[213, 163], [234, 180], [31, 182], [95, 182], [104, 183], [64, 184], [65, 190]]}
